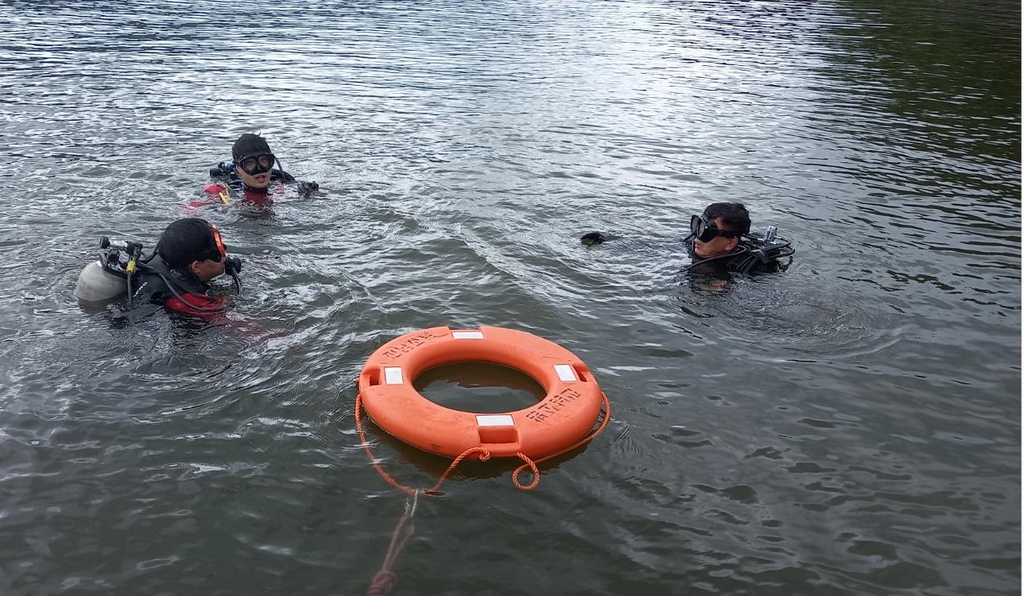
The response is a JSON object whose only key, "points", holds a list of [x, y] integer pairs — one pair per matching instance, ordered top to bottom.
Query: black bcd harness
{"points": [[755, 252], [150, 275]]}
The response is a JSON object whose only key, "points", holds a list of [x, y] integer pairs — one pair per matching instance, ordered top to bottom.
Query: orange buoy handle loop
{"points": [[484, 455], [533, 464], [533, 468]]}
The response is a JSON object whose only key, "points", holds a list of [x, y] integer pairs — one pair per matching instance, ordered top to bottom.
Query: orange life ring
{"points": [[569, 410]]}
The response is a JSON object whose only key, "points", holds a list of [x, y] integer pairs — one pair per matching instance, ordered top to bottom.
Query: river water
{"points": [[848, 426]]}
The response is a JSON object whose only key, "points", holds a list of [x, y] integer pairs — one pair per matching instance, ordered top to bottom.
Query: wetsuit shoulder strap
{"points": [[727, 261], [170, 280]]}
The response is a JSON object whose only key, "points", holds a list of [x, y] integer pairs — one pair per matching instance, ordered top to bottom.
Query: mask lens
{"points": [[257, 164], [695, 225], [702, 229]]}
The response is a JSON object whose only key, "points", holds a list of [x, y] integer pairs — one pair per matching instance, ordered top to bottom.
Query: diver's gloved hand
{"points": [[307, 188], [591, 238]]}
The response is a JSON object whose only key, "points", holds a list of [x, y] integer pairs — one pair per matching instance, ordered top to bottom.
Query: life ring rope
{"points": [[569, 386], [484, 455], [532, 464]]}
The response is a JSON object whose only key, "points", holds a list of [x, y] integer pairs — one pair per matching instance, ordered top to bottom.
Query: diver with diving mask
{"points": [[720, 240], [176, 274]]}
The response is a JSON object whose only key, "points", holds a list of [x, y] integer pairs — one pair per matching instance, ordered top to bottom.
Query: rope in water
{"points": [[385, 579]]}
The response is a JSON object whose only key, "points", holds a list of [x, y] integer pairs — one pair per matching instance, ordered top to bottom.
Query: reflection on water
{"points": [[479, 387], [848, 426]]}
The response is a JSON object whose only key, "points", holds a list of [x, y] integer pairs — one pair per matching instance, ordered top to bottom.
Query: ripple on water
{"points": [[849, 426]]}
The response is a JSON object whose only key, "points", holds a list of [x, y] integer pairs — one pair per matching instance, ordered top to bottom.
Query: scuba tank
{"points": [[108, 278], [95, 284]]}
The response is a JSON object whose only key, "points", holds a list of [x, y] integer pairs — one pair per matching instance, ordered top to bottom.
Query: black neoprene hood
{"points": [[248, 145]]}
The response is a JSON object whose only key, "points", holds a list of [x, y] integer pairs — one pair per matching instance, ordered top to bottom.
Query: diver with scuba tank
{"points": [[250, 177], [720, 241], [176, 274]]}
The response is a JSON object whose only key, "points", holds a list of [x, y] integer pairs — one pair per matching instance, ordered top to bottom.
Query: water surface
{"points": [[849, 426]]}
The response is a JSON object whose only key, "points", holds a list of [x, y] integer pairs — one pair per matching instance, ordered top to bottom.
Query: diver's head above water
{"points": [[254, 161], [719, 229], [720, 240], [194, 247]]}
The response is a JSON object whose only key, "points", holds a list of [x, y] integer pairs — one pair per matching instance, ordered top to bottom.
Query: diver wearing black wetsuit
{"points": [[251, 175], [720, 241], [189, 253], [752, 255], [178, 291]]}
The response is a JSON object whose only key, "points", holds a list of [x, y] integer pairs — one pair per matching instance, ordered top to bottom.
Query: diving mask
{"points": [[257, 164], [705, 230]]}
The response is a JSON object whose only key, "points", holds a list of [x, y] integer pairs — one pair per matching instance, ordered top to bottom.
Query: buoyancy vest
{"points": [[233, 189], [751, 255], [178, 291]]}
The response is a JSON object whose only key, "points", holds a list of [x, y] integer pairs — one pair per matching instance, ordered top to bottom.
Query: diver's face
{"points": [[255, 170], [261, 180], [717, 246], [207, 269]]}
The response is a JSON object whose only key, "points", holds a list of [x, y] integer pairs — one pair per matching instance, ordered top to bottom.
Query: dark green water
{"points": [[849, 426]]}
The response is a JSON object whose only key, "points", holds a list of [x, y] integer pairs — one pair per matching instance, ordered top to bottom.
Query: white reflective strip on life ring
{"points": [[467, 335], [565, 373], [393, 375], [495, 420]]}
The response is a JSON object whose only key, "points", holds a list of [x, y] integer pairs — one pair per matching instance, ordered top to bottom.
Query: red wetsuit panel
{"points": [[214, 194], [219, 194], [258, 199], [206, 307]]}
